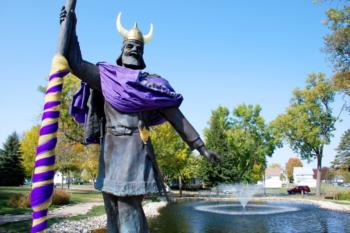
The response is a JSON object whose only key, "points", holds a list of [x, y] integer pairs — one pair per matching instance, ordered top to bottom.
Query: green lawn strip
{"points": [[5, 194], [80, 196], [341, 202], [24, 226]]}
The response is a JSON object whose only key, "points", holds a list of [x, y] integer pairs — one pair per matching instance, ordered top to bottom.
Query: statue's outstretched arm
{"points": [[70, 48], [187, 132]]}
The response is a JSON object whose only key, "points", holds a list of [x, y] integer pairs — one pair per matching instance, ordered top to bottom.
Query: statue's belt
{"points": [[121, 130]]}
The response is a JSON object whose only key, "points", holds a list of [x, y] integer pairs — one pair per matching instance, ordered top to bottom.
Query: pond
{"points": [[267, 217]]}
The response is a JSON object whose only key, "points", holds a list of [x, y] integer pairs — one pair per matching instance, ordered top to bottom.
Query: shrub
{"points": [[343, 195], [60, 197], [19, 200], [22, 200]]}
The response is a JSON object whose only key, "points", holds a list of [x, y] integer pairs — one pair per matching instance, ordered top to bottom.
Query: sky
{"points": [[214, 53]]}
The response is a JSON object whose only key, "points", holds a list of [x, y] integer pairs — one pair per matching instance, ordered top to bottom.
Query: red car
{"points": [[299, 189]]}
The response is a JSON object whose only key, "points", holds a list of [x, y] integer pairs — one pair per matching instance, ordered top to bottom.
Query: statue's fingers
{"points": [[215, 158]]}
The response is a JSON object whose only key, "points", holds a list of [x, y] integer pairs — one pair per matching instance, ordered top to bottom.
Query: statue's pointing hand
{"points": [[63, 14], [209, 155]]}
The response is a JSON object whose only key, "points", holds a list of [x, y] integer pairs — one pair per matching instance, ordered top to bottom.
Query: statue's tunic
{"points": [[131, 98], [126, 167]]}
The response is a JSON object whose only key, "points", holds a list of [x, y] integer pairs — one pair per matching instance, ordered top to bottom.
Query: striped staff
{"points": [[44, 168], [44, 171]]}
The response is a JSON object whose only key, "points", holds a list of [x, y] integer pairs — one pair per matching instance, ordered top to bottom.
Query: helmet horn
{"points": [[123, 32], [134, 33], [149, 35]]}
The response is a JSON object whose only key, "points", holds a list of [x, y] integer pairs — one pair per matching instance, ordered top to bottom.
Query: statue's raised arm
{"points": [[68, 46]]}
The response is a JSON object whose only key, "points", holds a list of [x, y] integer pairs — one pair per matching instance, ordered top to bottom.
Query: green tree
{"points": [[337, 42], [308, 122], [69, 129], [216, 140], [243, 141], [29, 143], [172, 153], [68, 157], [342, 158], [90, 162], [290, 165], [11, 169]]}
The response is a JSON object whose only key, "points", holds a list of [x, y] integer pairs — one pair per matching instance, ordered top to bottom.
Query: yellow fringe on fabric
{"points": [[144, 134]]}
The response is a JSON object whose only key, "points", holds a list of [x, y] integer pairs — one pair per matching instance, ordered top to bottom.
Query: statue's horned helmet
{"points": [[134, 33]]}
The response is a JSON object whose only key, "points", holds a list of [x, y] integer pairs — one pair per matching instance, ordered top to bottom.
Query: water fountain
{"points": [[244, 193], [232, 209]]}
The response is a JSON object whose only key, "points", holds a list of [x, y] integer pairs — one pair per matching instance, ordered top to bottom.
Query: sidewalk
{"points": [[64, 211]]}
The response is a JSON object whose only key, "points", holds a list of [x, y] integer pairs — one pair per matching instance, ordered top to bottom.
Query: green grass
{"points": [[5, 194], [79, 196], [341, 202], [24, 226]]}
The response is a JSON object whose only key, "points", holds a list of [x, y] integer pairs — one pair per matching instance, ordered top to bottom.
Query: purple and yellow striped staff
{"points": [[44, 168], [43, 185]]}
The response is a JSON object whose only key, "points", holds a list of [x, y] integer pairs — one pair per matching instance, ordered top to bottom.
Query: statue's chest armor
{"points": [[115, 118]]}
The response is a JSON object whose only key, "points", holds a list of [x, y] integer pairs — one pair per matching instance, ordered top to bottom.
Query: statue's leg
{"points": [[111, 207], [131, 216]]}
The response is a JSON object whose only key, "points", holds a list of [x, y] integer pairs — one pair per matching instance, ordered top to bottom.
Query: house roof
{"points": [[273, 171], [324, 173]]}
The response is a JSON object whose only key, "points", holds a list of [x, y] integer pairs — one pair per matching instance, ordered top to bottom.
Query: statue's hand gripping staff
{"points": [[44, 168]]}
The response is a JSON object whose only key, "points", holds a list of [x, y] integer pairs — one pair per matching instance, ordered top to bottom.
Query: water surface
{"points": [[184, 218]]}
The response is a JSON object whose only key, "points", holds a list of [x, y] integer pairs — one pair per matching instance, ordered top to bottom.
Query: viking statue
{"points": [[118, 103]]}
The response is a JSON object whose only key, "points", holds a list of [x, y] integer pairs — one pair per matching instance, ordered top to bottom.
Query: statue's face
{"points": [[132, 55]]}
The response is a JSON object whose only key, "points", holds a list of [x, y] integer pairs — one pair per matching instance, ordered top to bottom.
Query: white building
{"points": [[304, 176], [274, 177], [57, 180]]}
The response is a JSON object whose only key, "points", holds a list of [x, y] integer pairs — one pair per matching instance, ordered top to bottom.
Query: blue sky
{"points": [[213, 52]]}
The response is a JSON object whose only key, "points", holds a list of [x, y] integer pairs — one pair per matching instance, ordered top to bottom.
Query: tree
{"points": [[337, 44], [308, 122], [70, 130], [216, 140], [243, 141], [29, 143], [172, 153], [68, 157], [342, 158], [90, 162], [290, 165], [11, 169]]}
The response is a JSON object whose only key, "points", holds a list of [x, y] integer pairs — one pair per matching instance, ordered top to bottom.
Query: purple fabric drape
{"points": [[128, 91], [79, 108]]}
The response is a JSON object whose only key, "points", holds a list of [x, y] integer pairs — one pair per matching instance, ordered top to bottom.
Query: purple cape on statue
{"points": [[128, 91]]}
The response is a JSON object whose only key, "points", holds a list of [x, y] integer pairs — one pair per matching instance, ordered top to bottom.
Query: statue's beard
{"points": [[132, 61]]}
